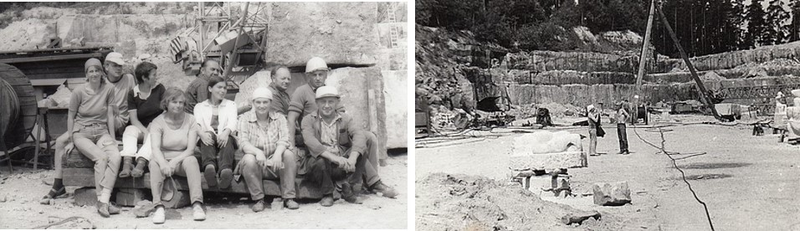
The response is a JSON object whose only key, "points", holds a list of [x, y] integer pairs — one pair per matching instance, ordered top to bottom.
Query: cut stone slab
{"points": [[545, 150], [572, 159], [608, 194], [85, 196], [130, 196]]}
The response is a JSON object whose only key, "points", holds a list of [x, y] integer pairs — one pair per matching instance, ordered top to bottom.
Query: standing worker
{"points": [[621, 117], [595, 129]]}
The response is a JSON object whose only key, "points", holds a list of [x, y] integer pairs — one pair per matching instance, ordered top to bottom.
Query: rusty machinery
{"points": [[238, 40]]}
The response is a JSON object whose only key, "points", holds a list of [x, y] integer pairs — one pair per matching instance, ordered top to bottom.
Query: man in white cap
{"points": [[123, 83], [303, 103], [264, 139], [338, 151]]}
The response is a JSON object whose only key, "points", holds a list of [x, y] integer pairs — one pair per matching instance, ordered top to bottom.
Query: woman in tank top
{"points": [[173, 136]]}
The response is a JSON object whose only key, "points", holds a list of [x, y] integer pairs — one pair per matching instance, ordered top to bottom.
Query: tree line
{"points": [[702, 26]]}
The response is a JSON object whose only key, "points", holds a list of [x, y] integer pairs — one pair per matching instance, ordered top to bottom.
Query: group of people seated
{"points": [[307, 136]]}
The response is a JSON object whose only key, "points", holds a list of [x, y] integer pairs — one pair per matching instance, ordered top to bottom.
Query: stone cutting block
{"points": [[570, 159], [608, 194], [85, 196], [130, 196]]}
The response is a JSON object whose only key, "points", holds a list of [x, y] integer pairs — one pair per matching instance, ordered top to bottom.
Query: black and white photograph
{"points": [[204, 115], [607, 115]]}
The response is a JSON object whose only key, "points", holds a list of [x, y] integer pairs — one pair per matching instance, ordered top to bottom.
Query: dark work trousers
{"points": [[623, 138], [220, 158], [326, 173]]}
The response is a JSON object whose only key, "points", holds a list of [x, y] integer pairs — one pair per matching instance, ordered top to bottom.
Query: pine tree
{"points": [[756, 25], [795, 26], [776, 29], [737, 34]]}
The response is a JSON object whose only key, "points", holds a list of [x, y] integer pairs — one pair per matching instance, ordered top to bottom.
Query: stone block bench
{"points": [[79, 172]]}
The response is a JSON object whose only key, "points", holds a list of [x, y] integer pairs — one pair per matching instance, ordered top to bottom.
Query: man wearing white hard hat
{"points": [[123, 83], [303, 102], [264, 140], [338, 151]]}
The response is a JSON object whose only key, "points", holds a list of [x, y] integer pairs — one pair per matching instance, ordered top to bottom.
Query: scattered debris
{"points": [[578, 218]]}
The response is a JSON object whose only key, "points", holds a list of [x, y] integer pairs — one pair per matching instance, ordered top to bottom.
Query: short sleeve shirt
{"points": [[121, 89], [280, 100], [304, 101], [91, 106], [149, 108], [266, 137], [174, 140]]}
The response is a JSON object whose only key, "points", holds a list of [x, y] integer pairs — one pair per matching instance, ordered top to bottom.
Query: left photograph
{"points": [[249, 115]]}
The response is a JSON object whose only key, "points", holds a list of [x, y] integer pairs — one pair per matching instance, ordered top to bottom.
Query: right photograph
{"points": [[607, 115]]}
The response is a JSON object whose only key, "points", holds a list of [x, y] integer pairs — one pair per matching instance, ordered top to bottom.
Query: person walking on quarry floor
{"points": [[595, 130]]}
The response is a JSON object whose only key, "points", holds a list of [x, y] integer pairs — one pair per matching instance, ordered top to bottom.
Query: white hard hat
{"points": [[115, 57], [316, 63], [327, 91], [262, 92]]}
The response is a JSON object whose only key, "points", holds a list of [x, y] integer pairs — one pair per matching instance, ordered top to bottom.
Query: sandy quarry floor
{"points": [[748, 182], [23, 188]]}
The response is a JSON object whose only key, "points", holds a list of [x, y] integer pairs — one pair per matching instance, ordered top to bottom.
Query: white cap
{"points": [[115, 57], [316, 63], [327, 91], [262, 92], [590, 107]]}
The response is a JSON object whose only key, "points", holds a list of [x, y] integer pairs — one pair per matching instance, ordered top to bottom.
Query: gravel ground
{"points": [[21, 190]]}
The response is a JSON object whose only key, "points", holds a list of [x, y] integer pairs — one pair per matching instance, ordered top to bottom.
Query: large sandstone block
{"points": [[341, 33], [354, 85], [396, 95], [546, 150], [615, 194]]}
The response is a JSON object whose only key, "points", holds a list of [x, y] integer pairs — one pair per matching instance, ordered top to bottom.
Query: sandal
{"points": [[52, 195]]}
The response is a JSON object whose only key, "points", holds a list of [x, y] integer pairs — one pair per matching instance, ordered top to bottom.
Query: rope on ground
{"points": [[683, 174]]}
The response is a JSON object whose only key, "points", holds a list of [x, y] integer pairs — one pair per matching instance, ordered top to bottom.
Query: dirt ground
{"points": [[748, 182], [20, 192]]}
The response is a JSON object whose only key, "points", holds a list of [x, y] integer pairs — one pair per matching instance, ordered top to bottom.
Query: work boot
{"points": [[127, 165], [138, 171], [210, 174], [225, 178], [387, 191], [350, 196], [327, 201], [290, 204], [258, 206], [102, 209], [113, 209], [197, 212], [160, 215]]}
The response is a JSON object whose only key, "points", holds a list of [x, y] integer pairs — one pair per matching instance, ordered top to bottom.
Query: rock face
{"points": [[299, 31], [615, 194]]}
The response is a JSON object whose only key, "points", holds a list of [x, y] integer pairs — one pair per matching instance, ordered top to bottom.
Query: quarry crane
{"points": [[236, 38], [705, 97]]}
